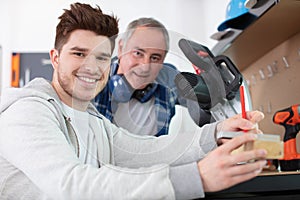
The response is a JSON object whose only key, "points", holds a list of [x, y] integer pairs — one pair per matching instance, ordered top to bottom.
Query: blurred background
{"points": [[29, 26]]}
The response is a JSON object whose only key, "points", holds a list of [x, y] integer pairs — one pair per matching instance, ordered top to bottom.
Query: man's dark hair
{"points": [[85, 17]]}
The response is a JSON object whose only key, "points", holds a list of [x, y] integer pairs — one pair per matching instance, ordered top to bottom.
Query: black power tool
{"points": [[215, 89]]}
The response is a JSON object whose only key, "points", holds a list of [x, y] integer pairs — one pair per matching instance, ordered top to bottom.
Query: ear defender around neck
{"points": [[122, 91], [145, 94]]}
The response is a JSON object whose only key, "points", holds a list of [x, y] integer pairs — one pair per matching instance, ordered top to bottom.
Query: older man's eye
{"points": [[137, 53], [103, 58], [155, 58]]}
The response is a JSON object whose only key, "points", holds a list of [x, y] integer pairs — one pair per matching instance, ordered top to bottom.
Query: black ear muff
{"points": [[122, 91], [145, 94]]}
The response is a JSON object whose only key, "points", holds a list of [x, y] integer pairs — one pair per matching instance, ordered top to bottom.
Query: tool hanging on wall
{"points": [[285, 61], [15, 68]]}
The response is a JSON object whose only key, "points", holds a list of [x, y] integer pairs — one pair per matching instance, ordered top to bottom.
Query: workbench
{"points": [[268, 185]]}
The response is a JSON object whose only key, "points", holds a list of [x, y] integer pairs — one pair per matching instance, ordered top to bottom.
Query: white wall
{"points": [[29, 26]]}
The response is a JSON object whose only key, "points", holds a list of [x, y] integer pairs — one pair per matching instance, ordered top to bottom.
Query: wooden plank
{"points": [[271, 143], [278, 173]]}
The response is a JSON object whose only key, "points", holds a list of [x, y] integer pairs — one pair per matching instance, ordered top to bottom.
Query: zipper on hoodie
{"points": [[72, 135]]}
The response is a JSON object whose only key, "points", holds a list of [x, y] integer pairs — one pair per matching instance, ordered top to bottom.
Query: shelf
{"points": [[278, 21]]}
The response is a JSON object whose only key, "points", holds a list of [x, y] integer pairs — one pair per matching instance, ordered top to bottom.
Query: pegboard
{"points": [[274, 83]]}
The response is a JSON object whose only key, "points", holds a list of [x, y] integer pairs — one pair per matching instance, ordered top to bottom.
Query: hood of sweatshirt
{"points": [[38, 88]]}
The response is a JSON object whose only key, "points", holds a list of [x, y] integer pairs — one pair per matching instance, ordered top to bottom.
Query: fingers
{"points": [[255, 116], [237, 123], [244, 124], [236, 142], [249, 156], [252, 167], [221, 168], [241, 173]]}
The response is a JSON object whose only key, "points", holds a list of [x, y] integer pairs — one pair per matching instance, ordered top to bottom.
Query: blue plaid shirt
{"points": [[165, 98]]}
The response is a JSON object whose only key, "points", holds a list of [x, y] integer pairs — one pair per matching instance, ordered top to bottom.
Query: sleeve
{"points": [[33, 142], [185, 144], [180, 150], [186, 181]]}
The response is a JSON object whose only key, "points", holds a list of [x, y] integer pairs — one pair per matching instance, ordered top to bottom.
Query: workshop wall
{"points": [[29, 26], [274, 82]]}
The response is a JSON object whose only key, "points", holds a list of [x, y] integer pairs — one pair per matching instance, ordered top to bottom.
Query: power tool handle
{"points": [[232, 77], [289, 118], [291, 131]]}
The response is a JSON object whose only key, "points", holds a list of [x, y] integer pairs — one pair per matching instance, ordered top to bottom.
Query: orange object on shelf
{"points": [[15, 70]]}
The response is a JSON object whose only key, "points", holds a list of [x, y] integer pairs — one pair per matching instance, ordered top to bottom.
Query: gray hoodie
{"points": [[39, 154]]}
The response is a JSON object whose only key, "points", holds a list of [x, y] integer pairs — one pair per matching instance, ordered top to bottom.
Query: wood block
{"points": [[270, 142]]}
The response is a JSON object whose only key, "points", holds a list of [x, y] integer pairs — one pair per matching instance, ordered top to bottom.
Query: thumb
{"points": [[255, 116], [245, 124]]}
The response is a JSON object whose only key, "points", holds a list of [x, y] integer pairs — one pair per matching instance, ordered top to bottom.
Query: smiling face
{"points": [[141, 58], [81, 68]]}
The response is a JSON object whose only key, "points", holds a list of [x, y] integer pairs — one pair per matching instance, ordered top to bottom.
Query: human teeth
{"points": [[90, 80]]}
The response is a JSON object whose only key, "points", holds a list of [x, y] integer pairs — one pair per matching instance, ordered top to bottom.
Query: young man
{"points": [[141, 94], [55, 145]]}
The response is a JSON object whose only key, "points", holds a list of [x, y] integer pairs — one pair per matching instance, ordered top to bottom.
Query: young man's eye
{"points": [[79, 54]]}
